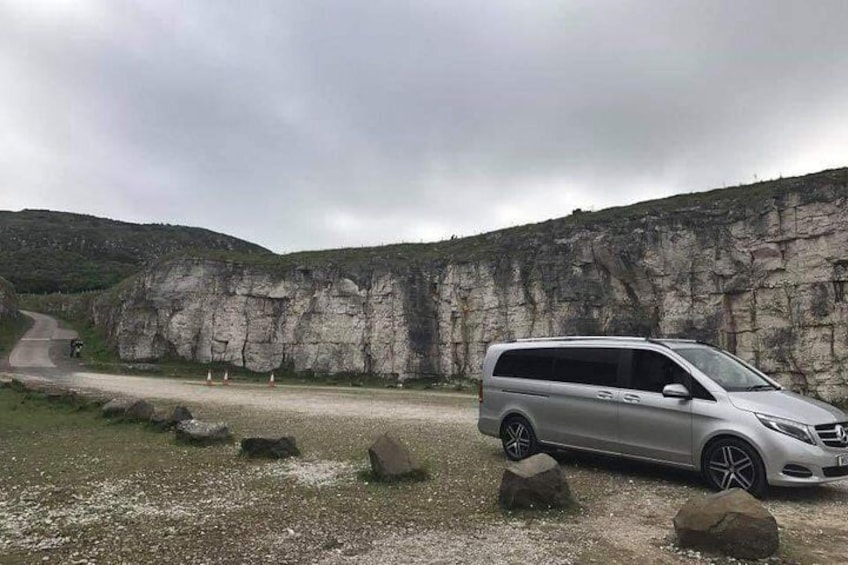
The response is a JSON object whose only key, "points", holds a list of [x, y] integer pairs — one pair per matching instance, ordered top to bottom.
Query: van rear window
{"points": [[526, 364], [590, 365]]}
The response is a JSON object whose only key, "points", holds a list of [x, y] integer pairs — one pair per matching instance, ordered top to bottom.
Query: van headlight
{"points": [[788, 427]]}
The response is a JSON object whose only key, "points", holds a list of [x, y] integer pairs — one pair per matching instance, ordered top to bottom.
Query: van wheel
{"points": [[519, 441], [732, 463]]}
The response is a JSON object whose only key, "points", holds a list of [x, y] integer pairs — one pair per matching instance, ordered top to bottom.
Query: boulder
{"points": [[117, 407], [139, 411], [163, 420], [203, 433], [270, 448], [390, 459], [535, 482], [731, 522]]}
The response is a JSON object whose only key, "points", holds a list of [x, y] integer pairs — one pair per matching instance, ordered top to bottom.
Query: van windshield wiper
{"points": [[761, 387]]}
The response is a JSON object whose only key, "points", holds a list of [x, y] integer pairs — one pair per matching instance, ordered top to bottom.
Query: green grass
{"points": [[11, 330]]}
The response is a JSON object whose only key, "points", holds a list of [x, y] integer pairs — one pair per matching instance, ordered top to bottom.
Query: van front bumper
{"points": [[797, 463]]}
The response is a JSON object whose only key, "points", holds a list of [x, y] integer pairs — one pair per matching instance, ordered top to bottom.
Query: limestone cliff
{"points": [[761, 270], [8, 300]]}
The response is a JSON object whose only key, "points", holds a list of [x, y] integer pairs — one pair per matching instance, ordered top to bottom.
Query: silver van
{"points": [[676, 402]]}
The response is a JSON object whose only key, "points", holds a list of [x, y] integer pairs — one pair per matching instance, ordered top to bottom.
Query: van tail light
{"points": [[480, 391]]}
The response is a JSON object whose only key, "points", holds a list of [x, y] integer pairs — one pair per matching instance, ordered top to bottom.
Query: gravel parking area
{"points": [[87, 491]]}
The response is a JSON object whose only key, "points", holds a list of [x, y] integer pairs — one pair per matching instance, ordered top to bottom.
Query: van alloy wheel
{"points": [[519, 441], [731, 463], [731, 467]]}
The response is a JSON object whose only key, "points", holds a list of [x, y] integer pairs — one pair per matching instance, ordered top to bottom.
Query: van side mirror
{"points": [[676, 390]]}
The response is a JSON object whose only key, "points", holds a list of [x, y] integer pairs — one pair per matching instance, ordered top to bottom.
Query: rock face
{"points": [[761, 270], [8, 300], [203, 433], [269, 448], [390, 459], [536, 482], [732, 522]]}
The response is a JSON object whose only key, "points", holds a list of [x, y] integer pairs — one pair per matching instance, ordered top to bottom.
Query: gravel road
{"points": [[33, 350]]}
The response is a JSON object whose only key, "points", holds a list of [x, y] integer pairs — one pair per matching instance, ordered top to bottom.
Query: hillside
{"points": [[722, 205], [44, 251]]}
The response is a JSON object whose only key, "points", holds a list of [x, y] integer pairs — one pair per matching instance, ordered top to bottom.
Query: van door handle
{"points": [[604, 395], [631, 398]]}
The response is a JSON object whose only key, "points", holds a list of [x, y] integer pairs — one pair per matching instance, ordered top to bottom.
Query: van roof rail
{"points": [[581, 338], [657, 341]]}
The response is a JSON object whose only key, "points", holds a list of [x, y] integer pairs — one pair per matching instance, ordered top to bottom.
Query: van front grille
{"points": [[834, 435], [830, 472]]}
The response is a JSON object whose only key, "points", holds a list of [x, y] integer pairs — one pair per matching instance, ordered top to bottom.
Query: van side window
{"points": [[525, 363], [591, 366], [651, 371], [698, 391]]}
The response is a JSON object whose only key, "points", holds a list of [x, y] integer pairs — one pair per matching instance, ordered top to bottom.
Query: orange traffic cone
{"points": [[209, 378], [226, 378], [271, 381]]}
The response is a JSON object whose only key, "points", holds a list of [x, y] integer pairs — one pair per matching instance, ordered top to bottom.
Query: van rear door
{"points": [[584, 397]]}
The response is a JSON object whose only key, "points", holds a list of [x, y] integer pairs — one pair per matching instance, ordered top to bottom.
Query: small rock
{"points": [[117, 407], [139, 411], [180, 414], [163, 421], [203, 433], [270, 448], [390, 459], [535, 482], [732, 522]]}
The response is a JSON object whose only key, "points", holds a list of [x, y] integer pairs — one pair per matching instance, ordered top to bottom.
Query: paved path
{"points": [[33, 350]]}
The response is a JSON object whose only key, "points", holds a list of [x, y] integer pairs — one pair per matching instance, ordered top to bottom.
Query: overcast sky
{"points": [[315, 124]]}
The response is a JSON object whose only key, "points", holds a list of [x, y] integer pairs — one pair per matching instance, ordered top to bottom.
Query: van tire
{"points": [[518, 438], [733, 463]]}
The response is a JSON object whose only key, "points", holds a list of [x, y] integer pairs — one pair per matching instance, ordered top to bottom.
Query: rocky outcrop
{"points": [[761, 270], [8, 300]]}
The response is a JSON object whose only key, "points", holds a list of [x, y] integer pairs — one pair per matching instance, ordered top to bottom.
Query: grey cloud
{"points": [[333, 123]]}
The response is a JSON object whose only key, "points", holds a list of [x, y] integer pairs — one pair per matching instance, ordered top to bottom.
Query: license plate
{"points": [[841, 460]]}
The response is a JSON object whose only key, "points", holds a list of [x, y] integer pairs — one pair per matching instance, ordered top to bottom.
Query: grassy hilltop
{"points": [[44, 251]]}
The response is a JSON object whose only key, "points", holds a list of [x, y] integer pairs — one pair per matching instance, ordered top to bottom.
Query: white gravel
{"points": [[313, 401]]}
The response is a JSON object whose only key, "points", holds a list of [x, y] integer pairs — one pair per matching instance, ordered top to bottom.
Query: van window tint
{"points": [[525, 363], [591, 366], [651, 371]]}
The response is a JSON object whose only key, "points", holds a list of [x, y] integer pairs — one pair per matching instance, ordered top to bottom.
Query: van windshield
{"points": [[726, 371]]}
